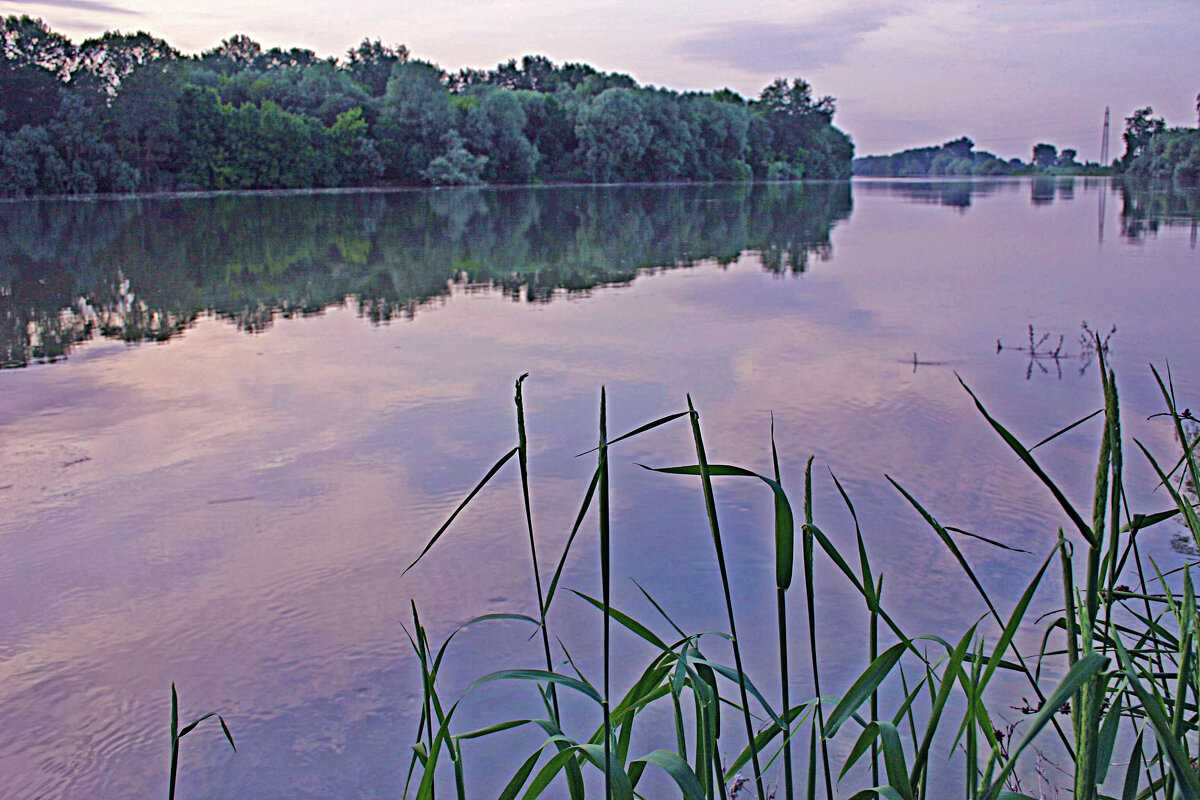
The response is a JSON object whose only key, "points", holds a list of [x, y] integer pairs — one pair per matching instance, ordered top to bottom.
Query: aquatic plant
{"points": [[1122, 647], [178, 733]]}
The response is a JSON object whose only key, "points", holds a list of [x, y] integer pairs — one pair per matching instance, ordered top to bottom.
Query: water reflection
{"points": [[953, 193], [1148, 206], [146, 270], [1047, 355], [234, 513]]}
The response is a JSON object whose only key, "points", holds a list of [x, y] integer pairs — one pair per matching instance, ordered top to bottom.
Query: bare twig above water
{"points": [[1042, 355]]}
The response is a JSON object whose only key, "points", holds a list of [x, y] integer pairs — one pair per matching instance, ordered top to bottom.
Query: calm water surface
{"points": [[237, 419]]}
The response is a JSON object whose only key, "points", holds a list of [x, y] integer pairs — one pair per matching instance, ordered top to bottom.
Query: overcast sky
{"points": [[1007, 73]]}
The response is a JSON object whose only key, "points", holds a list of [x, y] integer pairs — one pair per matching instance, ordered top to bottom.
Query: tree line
{"points": [[128, 112], [1153, 150], [959, 157]]}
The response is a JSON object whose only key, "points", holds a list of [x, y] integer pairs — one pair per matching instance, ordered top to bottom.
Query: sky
{"points": [[1007, 73]]}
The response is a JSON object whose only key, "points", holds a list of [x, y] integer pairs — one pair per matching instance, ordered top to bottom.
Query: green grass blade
{"points": [[1070, 427], [639, 430], [1181, 434], [523, 461], [1030, 462], [491, 472], [710, 507], [1185, 507], [1143, 521], [785, 526], [992, 542], [807, 549], [835, 556], [562, 561], [868, 578], [606, 592], [659, 609], [1015, 620], [626, 621], [437, 661], [1079, 674], [539, 675], [950, 676], [743, 681], [863, 688], [192, 726], [495, 728], [680, 733], [228, 734], [624, 735], [814, 735], [765, 737], [1108, 737], [174, 742], [861, 745], [1173, 750], [893, 760], [547, 773], [574, 773], [1133, 773], [522, 774], [683, 775], [618, 780], [425, 788], [874, 793]]}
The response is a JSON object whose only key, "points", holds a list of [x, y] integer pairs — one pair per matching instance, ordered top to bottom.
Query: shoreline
{"points": [[185, 194]]}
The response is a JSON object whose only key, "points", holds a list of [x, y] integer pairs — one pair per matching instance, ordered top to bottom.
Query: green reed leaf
{"points": [[1030, 462], [491, 472], [785, 525], [626, 621], [539, 675], [863, 687], [679, 771]]}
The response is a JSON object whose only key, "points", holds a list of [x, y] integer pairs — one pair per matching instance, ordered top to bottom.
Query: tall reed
{"points": [[523, 461], [1126, 658], [177, 734]]}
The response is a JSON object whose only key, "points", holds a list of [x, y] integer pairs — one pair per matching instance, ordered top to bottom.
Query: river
{"points": [[230, 423]]}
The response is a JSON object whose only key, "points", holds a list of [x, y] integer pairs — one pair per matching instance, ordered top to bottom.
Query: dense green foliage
{"points": [[126, 112], [1152, 150], [959, 157]]}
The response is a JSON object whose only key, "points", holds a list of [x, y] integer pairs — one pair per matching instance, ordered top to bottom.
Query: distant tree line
{"points": [[128, 112], [1152, 150], [959, 157]]}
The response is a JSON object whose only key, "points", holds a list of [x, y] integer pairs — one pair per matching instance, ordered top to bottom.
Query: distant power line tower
{"points": [[1104, 141]]}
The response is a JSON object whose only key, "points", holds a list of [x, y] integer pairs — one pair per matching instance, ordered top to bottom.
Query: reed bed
{"points": [[1116, 677]]}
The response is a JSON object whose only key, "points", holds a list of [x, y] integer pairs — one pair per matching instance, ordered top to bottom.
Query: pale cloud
{"points": [[97, 6], [764, 47]]}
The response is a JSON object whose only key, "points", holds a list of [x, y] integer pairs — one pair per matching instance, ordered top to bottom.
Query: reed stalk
{"points": [[1129, 659], [177, 734]]}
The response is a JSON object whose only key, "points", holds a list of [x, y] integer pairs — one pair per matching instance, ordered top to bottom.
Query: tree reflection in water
{"points": [[147, 269]]}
